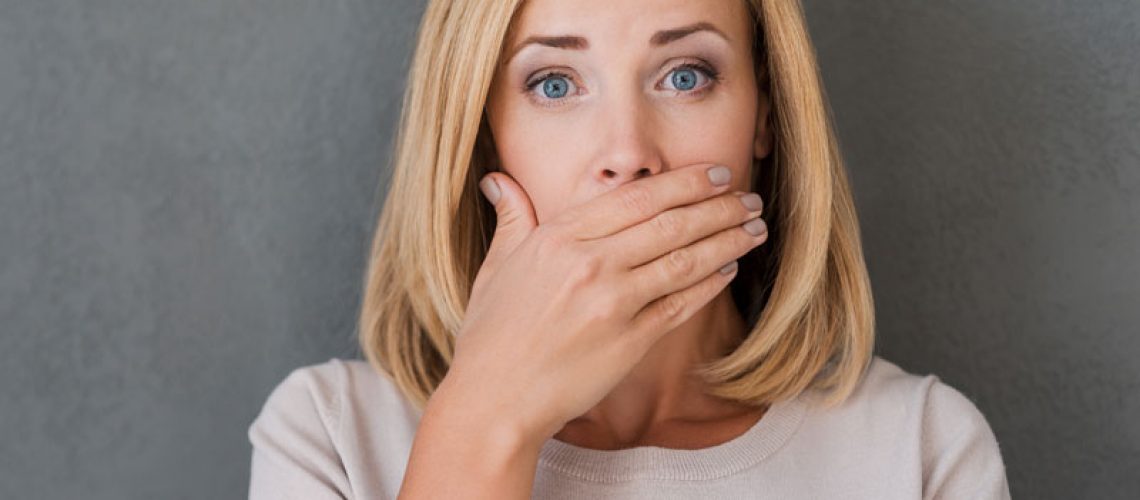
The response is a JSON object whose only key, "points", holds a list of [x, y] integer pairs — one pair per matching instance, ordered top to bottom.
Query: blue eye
{"points": [[684, 79], [690, 79], [555, 87]]}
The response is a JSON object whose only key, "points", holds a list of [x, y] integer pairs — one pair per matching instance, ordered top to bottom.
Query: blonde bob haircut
{"points": [[805, 295]]}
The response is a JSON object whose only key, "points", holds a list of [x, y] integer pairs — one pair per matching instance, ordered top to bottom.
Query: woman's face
{"points": [[591, 94]]}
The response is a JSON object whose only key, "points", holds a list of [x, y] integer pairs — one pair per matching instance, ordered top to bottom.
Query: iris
{"points": [[684, 79], [554, 87]]}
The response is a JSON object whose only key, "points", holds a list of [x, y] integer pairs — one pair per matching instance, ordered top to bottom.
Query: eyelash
{"points": [[707, 69]]}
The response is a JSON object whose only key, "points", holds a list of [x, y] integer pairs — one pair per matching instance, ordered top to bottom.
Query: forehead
{"points": [[621, 20]]}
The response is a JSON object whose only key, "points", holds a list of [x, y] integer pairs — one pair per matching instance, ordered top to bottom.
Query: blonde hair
{"points": [[805, 294]]}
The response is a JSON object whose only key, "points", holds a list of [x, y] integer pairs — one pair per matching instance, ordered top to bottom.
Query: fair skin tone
{"points": [[621, 116], [601, 289]]}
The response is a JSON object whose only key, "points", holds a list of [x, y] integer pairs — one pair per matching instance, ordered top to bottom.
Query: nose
{"points": [[628, 148], [618, 175]]}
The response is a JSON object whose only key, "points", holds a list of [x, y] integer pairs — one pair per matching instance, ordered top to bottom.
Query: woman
{"points": [[613, 317]]}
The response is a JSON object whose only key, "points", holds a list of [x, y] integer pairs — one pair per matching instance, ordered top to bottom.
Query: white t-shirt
{"points": [[340, 429]]}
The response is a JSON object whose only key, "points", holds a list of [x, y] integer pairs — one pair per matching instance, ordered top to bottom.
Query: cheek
{"points": [[720, 134], [543, 153], [542, 163], [547, 192]]}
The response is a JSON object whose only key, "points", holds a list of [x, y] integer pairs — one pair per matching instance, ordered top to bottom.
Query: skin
{"points": [[621, 119]]}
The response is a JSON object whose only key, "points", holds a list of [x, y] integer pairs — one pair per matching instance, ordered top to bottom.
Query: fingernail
{"points": [[719, 175], [490, 189], [752, 202], [756, 226], [728, 268]]}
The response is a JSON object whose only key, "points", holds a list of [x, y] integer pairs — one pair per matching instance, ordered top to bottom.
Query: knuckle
{"points": [[698, 185], [696, 191], [636, 198], [731, 206], [668, 225], [681, 261], [587, 268], [671, 306]]}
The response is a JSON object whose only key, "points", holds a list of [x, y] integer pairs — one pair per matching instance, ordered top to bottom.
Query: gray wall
{"points": [[187, 190]]}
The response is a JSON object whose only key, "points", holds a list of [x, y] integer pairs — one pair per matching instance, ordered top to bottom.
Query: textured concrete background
{"points": [[187, 189]]}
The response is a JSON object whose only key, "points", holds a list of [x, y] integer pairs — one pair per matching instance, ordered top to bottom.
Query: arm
{"points": [[463, 451], [961, 458]]}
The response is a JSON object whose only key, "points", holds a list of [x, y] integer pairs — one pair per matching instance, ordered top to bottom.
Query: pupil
{"points": [[684, 79], [554, 87]]}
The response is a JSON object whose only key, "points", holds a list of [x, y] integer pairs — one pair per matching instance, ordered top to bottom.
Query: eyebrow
{"points": [[578, 42]]}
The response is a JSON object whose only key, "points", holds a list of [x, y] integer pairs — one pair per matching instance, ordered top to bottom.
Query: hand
{"points": [[560, 312]]}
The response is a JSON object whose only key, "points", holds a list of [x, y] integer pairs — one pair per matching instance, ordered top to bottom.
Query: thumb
{"points": [[515, 218]]}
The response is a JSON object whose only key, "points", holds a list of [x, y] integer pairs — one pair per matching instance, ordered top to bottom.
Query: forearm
{"points": [[460, 451]]}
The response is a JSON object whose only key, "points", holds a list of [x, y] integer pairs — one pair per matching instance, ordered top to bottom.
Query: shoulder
{"points": [[890, 390], [327, 395], [896, 397], [919, 416], [325, 426]]}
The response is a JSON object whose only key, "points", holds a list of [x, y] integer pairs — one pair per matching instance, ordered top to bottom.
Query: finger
{"points": [[638, 200], [514, 215], [681, 226], [682, 267], [668, 312]]}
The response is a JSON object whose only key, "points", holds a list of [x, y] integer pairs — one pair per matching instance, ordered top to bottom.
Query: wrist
{"points": [[484, 424], [463, 449]]}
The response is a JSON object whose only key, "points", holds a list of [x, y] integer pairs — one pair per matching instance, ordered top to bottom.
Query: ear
{"points": [[762, 145]]}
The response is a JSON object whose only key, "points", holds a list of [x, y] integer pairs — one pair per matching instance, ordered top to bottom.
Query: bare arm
{"points": [[461, 451]]}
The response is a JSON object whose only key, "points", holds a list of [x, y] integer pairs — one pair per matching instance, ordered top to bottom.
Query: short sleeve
{"points": [[294, 455], [961, 457]]}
